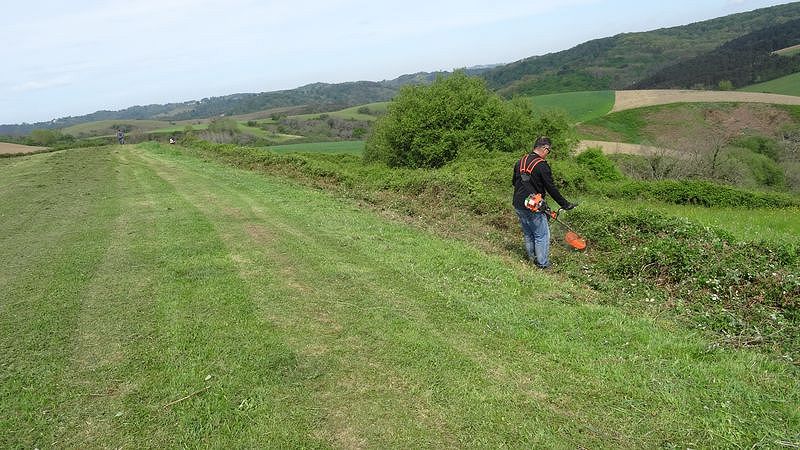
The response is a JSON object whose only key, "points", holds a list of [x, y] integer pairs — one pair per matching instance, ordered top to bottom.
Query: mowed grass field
{"points": [[153, 299]]}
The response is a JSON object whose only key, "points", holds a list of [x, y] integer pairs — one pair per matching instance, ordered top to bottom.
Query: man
{"points": [[120, 137], [532, 176]]}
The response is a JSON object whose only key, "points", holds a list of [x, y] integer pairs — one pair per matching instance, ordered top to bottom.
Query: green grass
{"points": [[788, 85], [579, 106], [350, 113], [622, 126], [109, 127], [243, 127], [181, 128], [258, 132], [348, 147], [746, 224], [134, 273]]}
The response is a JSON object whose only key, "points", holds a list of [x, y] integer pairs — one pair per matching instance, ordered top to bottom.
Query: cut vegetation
{"points": [[324, 268], [179, 295]]}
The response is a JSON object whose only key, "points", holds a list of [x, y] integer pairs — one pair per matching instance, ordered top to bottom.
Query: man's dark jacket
{"points": [[540, 181]]}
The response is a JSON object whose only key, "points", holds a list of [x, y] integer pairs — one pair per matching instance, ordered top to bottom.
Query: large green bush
{"points": [[428, 126], [603, 168]]}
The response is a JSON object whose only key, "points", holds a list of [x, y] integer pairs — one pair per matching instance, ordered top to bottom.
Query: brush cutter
{"points": [[535, 203], [571, 237]]}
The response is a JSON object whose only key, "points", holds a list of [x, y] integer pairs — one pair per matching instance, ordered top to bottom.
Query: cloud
{"points": [[38, 85]]}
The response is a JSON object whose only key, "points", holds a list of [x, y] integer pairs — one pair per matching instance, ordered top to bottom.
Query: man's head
{"points": [[542, 146]]}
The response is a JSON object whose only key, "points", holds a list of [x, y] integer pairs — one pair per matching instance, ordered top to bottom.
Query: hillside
{"points": [[622, 60], [743, 61], [316, 97]]}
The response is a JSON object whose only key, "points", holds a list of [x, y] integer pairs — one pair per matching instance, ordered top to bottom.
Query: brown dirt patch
{"points": [[637, 99], [744, 118], [693, 124], [7, 148]]}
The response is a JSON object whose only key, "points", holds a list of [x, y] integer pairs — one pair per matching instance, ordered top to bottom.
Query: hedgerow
{"points": [[692, 192]]}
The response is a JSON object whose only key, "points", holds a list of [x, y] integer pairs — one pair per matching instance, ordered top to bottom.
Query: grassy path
{"points": [[152, 299]]}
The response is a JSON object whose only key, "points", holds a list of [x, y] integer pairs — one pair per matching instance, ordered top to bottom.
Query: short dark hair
{"points": [[542, 141]]}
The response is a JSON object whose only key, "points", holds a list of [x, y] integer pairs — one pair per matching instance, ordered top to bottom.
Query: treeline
{"points": [[741, 62], [317, 97], [132, 113]]}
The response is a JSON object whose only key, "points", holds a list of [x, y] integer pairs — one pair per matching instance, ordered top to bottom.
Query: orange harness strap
{"points": [[527, 166]]}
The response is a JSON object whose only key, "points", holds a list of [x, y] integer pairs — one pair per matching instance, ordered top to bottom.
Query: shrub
{"points": [[224, 125], [427, 126], [48, 138], [759, 144], [632, 166], [602, 167], [763, 170], [693, 192]]}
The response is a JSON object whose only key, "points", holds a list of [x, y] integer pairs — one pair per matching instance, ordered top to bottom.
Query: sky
{"points": [[70, 58]]}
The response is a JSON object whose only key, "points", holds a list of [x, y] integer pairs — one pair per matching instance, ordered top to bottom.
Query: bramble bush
{"points": [[748, 290]]}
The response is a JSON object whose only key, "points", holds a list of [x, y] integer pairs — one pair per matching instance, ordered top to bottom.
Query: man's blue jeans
{"points": [[536, 232]]}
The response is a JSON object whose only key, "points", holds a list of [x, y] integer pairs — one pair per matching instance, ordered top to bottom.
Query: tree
{"points": [[725, 85], [224, 125], [427, 126], [47, 137]]}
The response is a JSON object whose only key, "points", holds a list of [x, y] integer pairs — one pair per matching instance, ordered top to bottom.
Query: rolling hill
{"points": [[749, 59], [620, 61]]}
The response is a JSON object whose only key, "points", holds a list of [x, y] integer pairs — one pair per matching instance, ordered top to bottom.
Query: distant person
{"points": [[120, 137], [532, 176]]}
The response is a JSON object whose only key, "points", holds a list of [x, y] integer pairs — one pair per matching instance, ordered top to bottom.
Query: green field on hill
{"points": [[788, 85], [579, 106], [375, 109], [109, 127], [151, 296]]}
